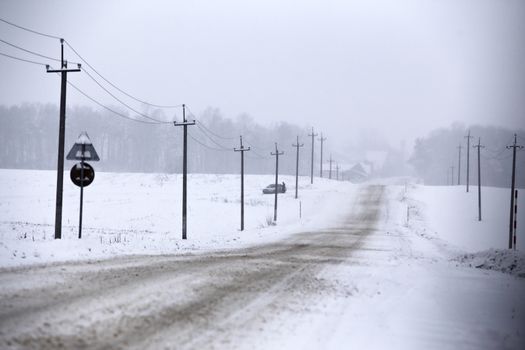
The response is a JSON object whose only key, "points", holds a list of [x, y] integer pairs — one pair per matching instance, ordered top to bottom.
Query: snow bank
{"points": [[141, 214], [451, 214], [447, 217], [507, 261]]}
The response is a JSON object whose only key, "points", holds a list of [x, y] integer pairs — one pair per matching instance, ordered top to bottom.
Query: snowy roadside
{"points": [[132, 214], [447, 217], [368, 280], [404, 288]]}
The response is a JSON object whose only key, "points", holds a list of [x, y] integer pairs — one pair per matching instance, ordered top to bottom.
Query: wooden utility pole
{"points": [[184, 124], [61, 137], [468, 137], [322, 139], [297, 145], [479, 147], [242, 150], [276, 154], [312, 163], [459, 164], [330, 170], [337, 171], [512, 187], [515, 225]]}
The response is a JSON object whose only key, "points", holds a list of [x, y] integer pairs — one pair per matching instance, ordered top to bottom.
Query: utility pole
{"points": [[184, 124], [61, 137], [468, 137], [322, 139], [297, 145], [479, 147], [242, 150], [276, 154], [459, 164], [312, 168], [337, 171], [330, 173], [452, 175], [513, 182], [515, 225]]}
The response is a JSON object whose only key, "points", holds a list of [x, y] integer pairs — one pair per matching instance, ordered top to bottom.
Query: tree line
{"points": [[29, 140], [434, 155]]}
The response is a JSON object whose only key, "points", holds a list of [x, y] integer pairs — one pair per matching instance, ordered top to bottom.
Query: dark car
{"points": [[270, 189]]}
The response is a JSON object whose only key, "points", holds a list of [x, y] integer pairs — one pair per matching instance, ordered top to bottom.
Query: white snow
{"points": [[135, 213], [452, 214], [448, 217], [434, 282]]}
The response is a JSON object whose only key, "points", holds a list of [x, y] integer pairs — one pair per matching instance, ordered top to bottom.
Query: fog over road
{"points": [[189, 301]]}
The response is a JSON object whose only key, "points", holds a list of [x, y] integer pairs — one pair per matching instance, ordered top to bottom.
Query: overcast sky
{"points": [[393, 69]]}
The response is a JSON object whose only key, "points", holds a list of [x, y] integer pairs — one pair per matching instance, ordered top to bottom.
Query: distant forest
{"points": [[29, 140], [435, 155]]}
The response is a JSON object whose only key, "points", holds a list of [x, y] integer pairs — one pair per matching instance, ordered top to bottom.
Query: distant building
{"points": [[359, 172]]}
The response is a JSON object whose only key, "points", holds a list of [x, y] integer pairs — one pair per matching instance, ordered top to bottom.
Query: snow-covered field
{"points": [[141, 214], [448, 217], [351, 273]]}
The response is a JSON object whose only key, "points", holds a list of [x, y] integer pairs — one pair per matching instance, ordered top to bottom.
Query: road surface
{"points": [[297, 292]]}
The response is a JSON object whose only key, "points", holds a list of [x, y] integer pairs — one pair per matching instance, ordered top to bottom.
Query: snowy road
{"points": [[324, 289], [183, 301]]}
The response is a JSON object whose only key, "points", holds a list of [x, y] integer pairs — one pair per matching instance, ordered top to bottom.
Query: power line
{"points": [[29, 30], [31, 52], [23, 59], [89, 65], [89, 75], [116, 87], [85, 94], [123, 103], [110, 109], [208, 130], [205, 131], [214, 134], [212, 140], [251, 144], [205, 145], [257, 153], [257, 156]]}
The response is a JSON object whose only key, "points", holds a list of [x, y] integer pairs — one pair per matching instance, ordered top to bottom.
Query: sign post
{"points": [[82, 174]]}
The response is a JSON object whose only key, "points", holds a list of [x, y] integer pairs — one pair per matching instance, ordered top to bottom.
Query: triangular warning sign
{"points": [[83, 149]]}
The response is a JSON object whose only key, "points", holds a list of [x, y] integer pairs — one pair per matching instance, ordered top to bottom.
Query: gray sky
{"points": [[393, 69]]}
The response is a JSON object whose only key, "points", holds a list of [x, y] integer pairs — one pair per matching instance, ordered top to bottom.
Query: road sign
{"points": [[83, 149], [76, 174], [82, 174]]}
